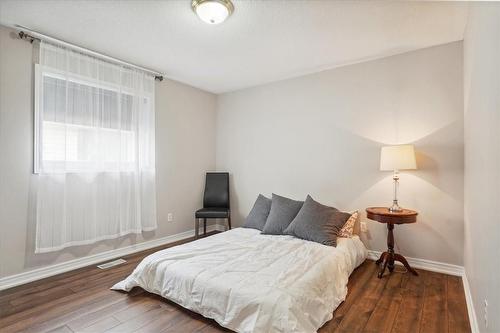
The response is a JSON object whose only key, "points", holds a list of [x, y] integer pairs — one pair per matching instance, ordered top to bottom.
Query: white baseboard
{"points": [[428, 265], [441, 267], [44, 272], [470, 305]]}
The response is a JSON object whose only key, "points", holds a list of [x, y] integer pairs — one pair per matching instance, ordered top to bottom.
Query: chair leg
{"points": [[229, 221], [204, 227], [196, 228]]}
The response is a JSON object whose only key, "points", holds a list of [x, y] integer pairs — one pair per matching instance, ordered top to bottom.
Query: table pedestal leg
{"points": [[390, 246], [389, 256], [382, 258], [402, 260]]}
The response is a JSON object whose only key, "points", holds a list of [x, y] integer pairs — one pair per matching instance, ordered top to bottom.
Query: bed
{"points": [[249, 282]]}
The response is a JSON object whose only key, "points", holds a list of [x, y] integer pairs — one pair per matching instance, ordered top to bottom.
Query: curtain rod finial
{"points": [[24, 35], [159, 78]]}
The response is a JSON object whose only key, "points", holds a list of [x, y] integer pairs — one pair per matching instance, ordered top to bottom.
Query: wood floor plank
{"points": [[356, 287], [41, 297], [81, 301], [24, 302], [91, 305], [136, 310], [410, 311], [435, 312], [56, 313], [96, 315], [384, 315], [357, 317], [458, 317], [41, 321], [172, 321], [136, 323], [185, 324], [101, 325], [212, 327], [62, 329]]}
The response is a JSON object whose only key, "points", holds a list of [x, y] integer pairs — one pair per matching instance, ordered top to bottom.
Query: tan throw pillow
{"points": [[348, 228]]}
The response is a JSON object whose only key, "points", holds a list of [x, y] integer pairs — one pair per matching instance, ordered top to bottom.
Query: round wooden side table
{"points": [[383, 215]]}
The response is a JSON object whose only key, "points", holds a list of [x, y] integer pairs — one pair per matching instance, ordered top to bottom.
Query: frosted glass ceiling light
{"points": [[212, 11]]}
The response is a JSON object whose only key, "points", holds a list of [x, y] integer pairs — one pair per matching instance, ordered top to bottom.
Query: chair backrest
{"points": [[216, 190]]}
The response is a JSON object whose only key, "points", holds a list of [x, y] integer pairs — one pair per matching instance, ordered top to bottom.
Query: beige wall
{"points": [[317, 134], [321, 134], [185, 149], [482, 160]]}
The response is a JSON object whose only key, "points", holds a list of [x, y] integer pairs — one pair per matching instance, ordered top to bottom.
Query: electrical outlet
{"points": [[170, 217], [364, 228], [485, 313]]}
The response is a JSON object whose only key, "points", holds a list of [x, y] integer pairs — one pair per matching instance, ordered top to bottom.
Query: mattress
{"points": [[249, 282]]}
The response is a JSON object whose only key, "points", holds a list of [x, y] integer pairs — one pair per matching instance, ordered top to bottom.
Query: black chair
{"points": [[215, 200]]}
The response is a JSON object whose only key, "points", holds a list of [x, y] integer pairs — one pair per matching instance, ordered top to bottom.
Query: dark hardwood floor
{"points": [[80, 301]]}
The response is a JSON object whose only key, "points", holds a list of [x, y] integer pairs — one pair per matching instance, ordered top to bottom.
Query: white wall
{"points": [[321, 134], [185, 149], [482, 160]]}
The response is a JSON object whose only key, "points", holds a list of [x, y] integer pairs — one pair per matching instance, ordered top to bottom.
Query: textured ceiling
{"points": [[263, 41]]}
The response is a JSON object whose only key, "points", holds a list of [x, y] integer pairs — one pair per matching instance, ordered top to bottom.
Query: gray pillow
{"points": [[283, 211], [257, 217], [318, 223]]}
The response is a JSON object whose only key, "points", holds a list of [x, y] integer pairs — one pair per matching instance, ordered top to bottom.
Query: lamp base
{"points": [[395, 207]]}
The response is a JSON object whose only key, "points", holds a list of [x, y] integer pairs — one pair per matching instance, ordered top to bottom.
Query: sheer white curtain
{"points": [[94, 149]]}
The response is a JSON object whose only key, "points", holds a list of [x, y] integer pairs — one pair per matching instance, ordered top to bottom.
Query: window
{"points": [[83, 126]]}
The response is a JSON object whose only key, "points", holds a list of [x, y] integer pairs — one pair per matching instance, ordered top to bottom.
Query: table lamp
{"points": [[395, 158]]}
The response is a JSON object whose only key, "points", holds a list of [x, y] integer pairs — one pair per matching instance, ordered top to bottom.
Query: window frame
{"points": [[40, 72]]}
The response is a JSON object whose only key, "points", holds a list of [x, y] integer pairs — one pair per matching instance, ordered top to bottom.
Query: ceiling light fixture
{"points": [[212, 11]]}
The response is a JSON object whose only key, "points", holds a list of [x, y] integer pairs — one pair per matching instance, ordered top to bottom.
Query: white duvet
{"points": [[250, 282]]}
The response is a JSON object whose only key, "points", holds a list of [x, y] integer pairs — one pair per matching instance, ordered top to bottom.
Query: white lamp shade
{"points": [[400, 157]]}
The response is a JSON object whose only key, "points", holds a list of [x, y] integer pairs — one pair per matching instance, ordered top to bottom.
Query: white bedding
{"points": [[250, 282]]}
